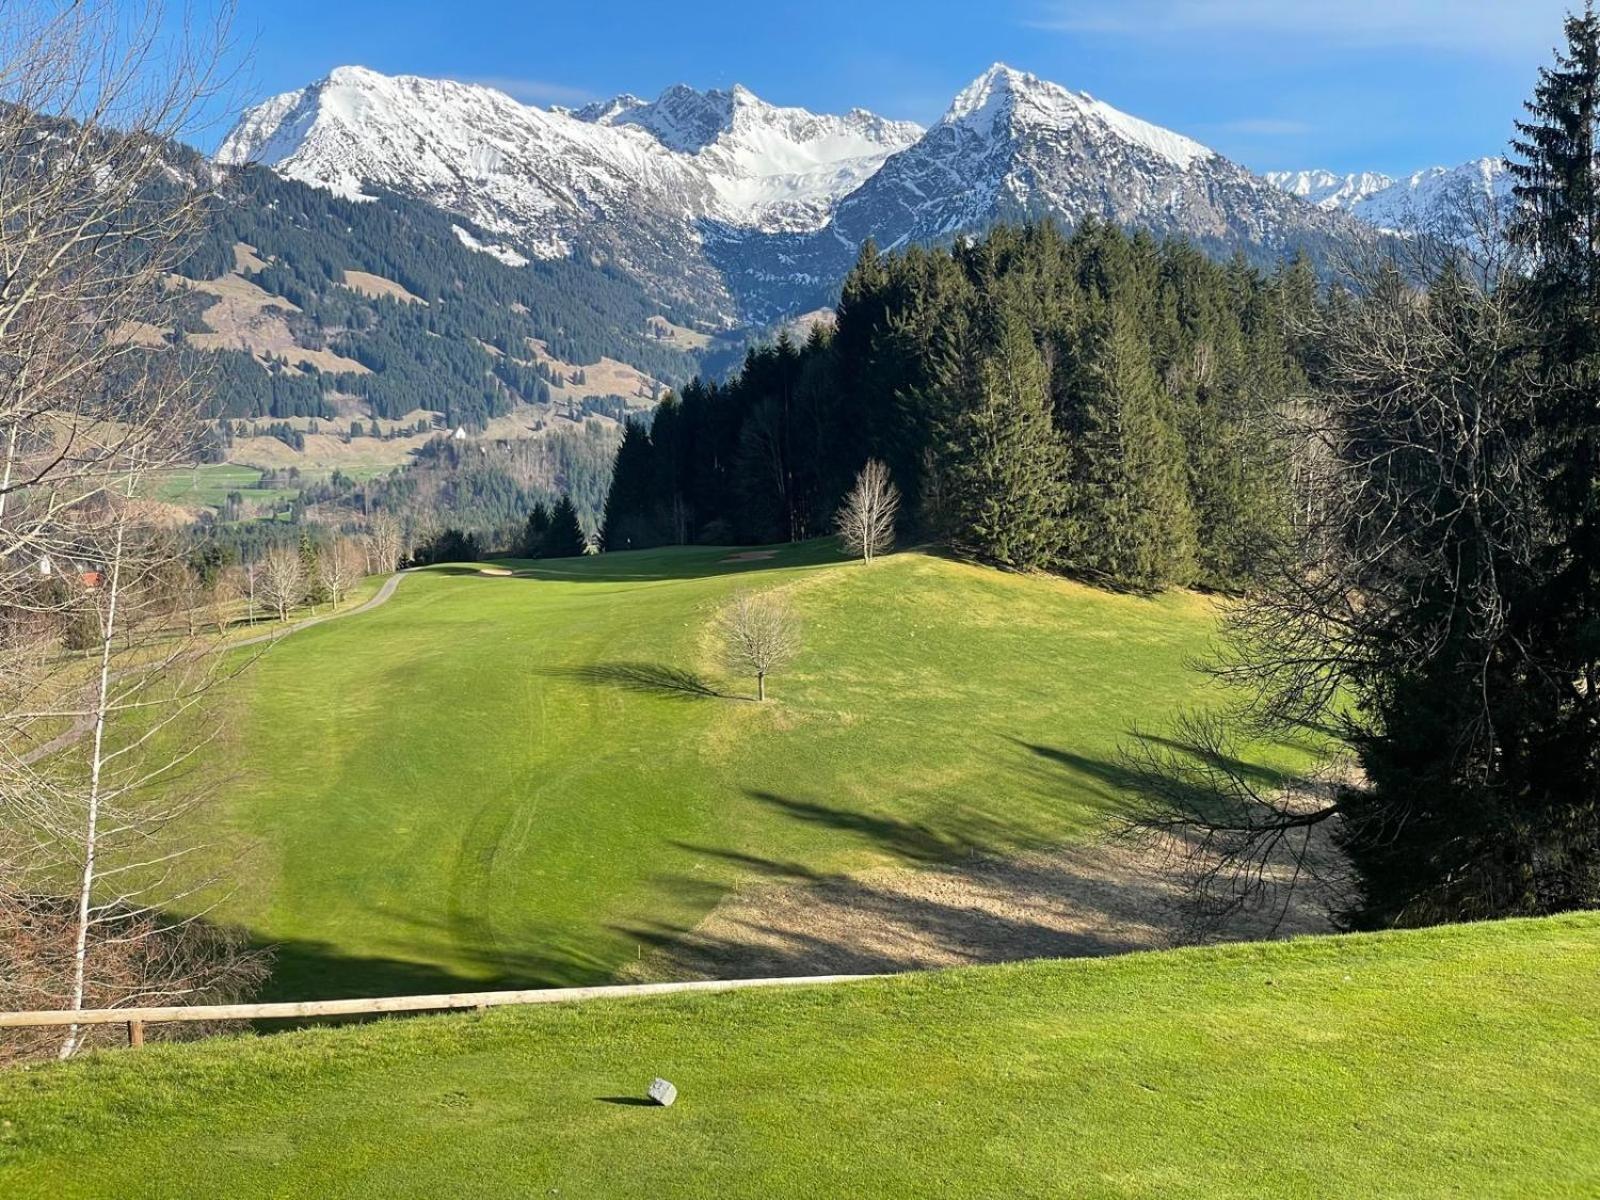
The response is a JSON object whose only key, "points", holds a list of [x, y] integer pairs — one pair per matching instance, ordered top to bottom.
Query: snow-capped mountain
{"points": [[1014, 146], [774, 169], [641, 185], [1327, 190], [1436, 201], [741, 210]]}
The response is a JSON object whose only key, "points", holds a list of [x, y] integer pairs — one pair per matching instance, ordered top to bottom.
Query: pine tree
{"points": [[1557, 216], [1558, 222], [1006, 465], [632, 504], [1131, 519], [535, 531], [565, 537], [309, 555]]}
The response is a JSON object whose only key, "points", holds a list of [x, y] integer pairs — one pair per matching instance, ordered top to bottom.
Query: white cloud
{"points": [[1498, 27], [534, 91]]}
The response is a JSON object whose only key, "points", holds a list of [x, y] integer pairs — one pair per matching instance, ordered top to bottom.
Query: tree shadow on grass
{"points": [[653, 679], [961, 833], [988, 910]]}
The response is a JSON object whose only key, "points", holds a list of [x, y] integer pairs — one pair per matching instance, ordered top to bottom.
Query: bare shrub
{"points": [[759, 635]]}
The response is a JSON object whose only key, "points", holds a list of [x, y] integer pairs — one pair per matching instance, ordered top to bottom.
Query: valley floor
{"points": [[1451, 1062]]}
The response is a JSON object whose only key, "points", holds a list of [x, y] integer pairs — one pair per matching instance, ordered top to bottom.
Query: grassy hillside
{"points": [[537, 779], [1453, 1062]]}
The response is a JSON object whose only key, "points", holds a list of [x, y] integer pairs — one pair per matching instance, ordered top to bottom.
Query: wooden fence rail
{"points": [[136, 1018]]}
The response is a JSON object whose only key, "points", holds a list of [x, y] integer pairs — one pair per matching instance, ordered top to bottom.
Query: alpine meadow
{"points": [[837, 642]]}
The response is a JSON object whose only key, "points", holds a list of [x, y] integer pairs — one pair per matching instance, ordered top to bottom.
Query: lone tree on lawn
{"points": [[866, 521], [760, 635]]}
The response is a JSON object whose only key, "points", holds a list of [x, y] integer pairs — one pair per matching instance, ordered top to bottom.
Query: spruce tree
{"points": [[1557, 221], [1006, 465], [1131, 520], [630, 521], [535, 531], [565, 537]]}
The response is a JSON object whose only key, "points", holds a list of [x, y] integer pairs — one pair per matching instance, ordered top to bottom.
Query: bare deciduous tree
{"points": [[97, 209], [866, 521], [385, 542], [339, 568], [283, 580], [1395, 600], [759, 635]]}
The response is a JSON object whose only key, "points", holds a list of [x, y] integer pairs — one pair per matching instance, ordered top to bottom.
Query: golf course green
{"points": [[535, 779]]}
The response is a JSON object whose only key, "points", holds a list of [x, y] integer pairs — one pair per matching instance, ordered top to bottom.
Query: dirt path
{"points": [[382, 597], [79, 728], [1096, 899]]}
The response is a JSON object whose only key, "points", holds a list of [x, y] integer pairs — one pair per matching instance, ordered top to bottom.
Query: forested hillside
{"points": [[417, 318], [1100, 403]]}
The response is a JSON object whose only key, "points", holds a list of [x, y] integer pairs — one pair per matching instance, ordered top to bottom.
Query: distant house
{"points": [[460, 435], [91, 580]]}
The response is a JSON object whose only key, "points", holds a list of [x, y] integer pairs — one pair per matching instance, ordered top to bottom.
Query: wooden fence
{"points": [[137, 1018]]}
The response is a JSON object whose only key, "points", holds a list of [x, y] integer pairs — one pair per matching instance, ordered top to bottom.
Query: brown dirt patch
{"points": [[247, 259], [378, 288], [247, 317], [140, 333], [680, 336], [608, 377], [1110, 897]]}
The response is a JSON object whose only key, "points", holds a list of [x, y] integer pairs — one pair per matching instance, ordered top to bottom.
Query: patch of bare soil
{"points": [[378, 288], [608, 377], [1112, 897]]}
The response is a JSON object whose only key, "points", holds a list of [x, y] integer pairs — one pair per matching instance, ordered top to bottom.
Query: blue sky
{"points": [[1387, 85]]}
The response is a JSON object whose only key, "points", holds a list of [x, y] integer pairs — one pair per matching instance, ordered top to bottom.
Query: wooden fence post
{"points": [[135, 1034]]}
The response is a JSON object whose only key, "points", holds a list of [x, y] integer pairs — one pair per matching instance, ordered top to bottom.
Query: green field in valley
{"points": [[536, 780], [1446, 1063]]}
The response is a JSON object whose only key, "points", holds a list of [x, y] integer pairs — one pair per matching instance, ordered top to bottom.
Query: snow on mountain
{"points": [[1013, 146], [772, 168], [635, 183], [1327, 190], [1437, 201], [741, 210]]}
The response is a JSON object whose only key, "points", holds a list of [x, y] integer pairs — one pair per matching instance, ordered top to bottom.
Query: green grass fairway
{"points": [[515, 781], [1457, 1062]]}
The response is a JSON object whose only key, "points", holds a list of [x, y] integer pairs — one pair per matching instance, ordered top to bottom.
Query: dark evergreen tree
{"points": [[1163, 374], [1006, 465], [634, 504], [534, 531], [565, 537], [449, 546]]}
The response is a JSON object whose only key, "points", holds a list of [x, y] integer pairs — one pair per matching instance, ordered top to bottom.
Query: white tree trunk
{"points": [[91, 833]]}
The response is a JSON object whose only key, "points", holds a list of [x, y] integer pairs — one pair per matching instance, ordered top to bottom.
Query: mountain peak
{"points": [[353, 73], [988, 97], [1006, 97]]}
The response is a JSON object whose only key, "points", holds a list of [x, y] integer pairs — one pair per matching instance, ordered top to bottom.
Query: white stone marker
{"points": [[663, 1093]]}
